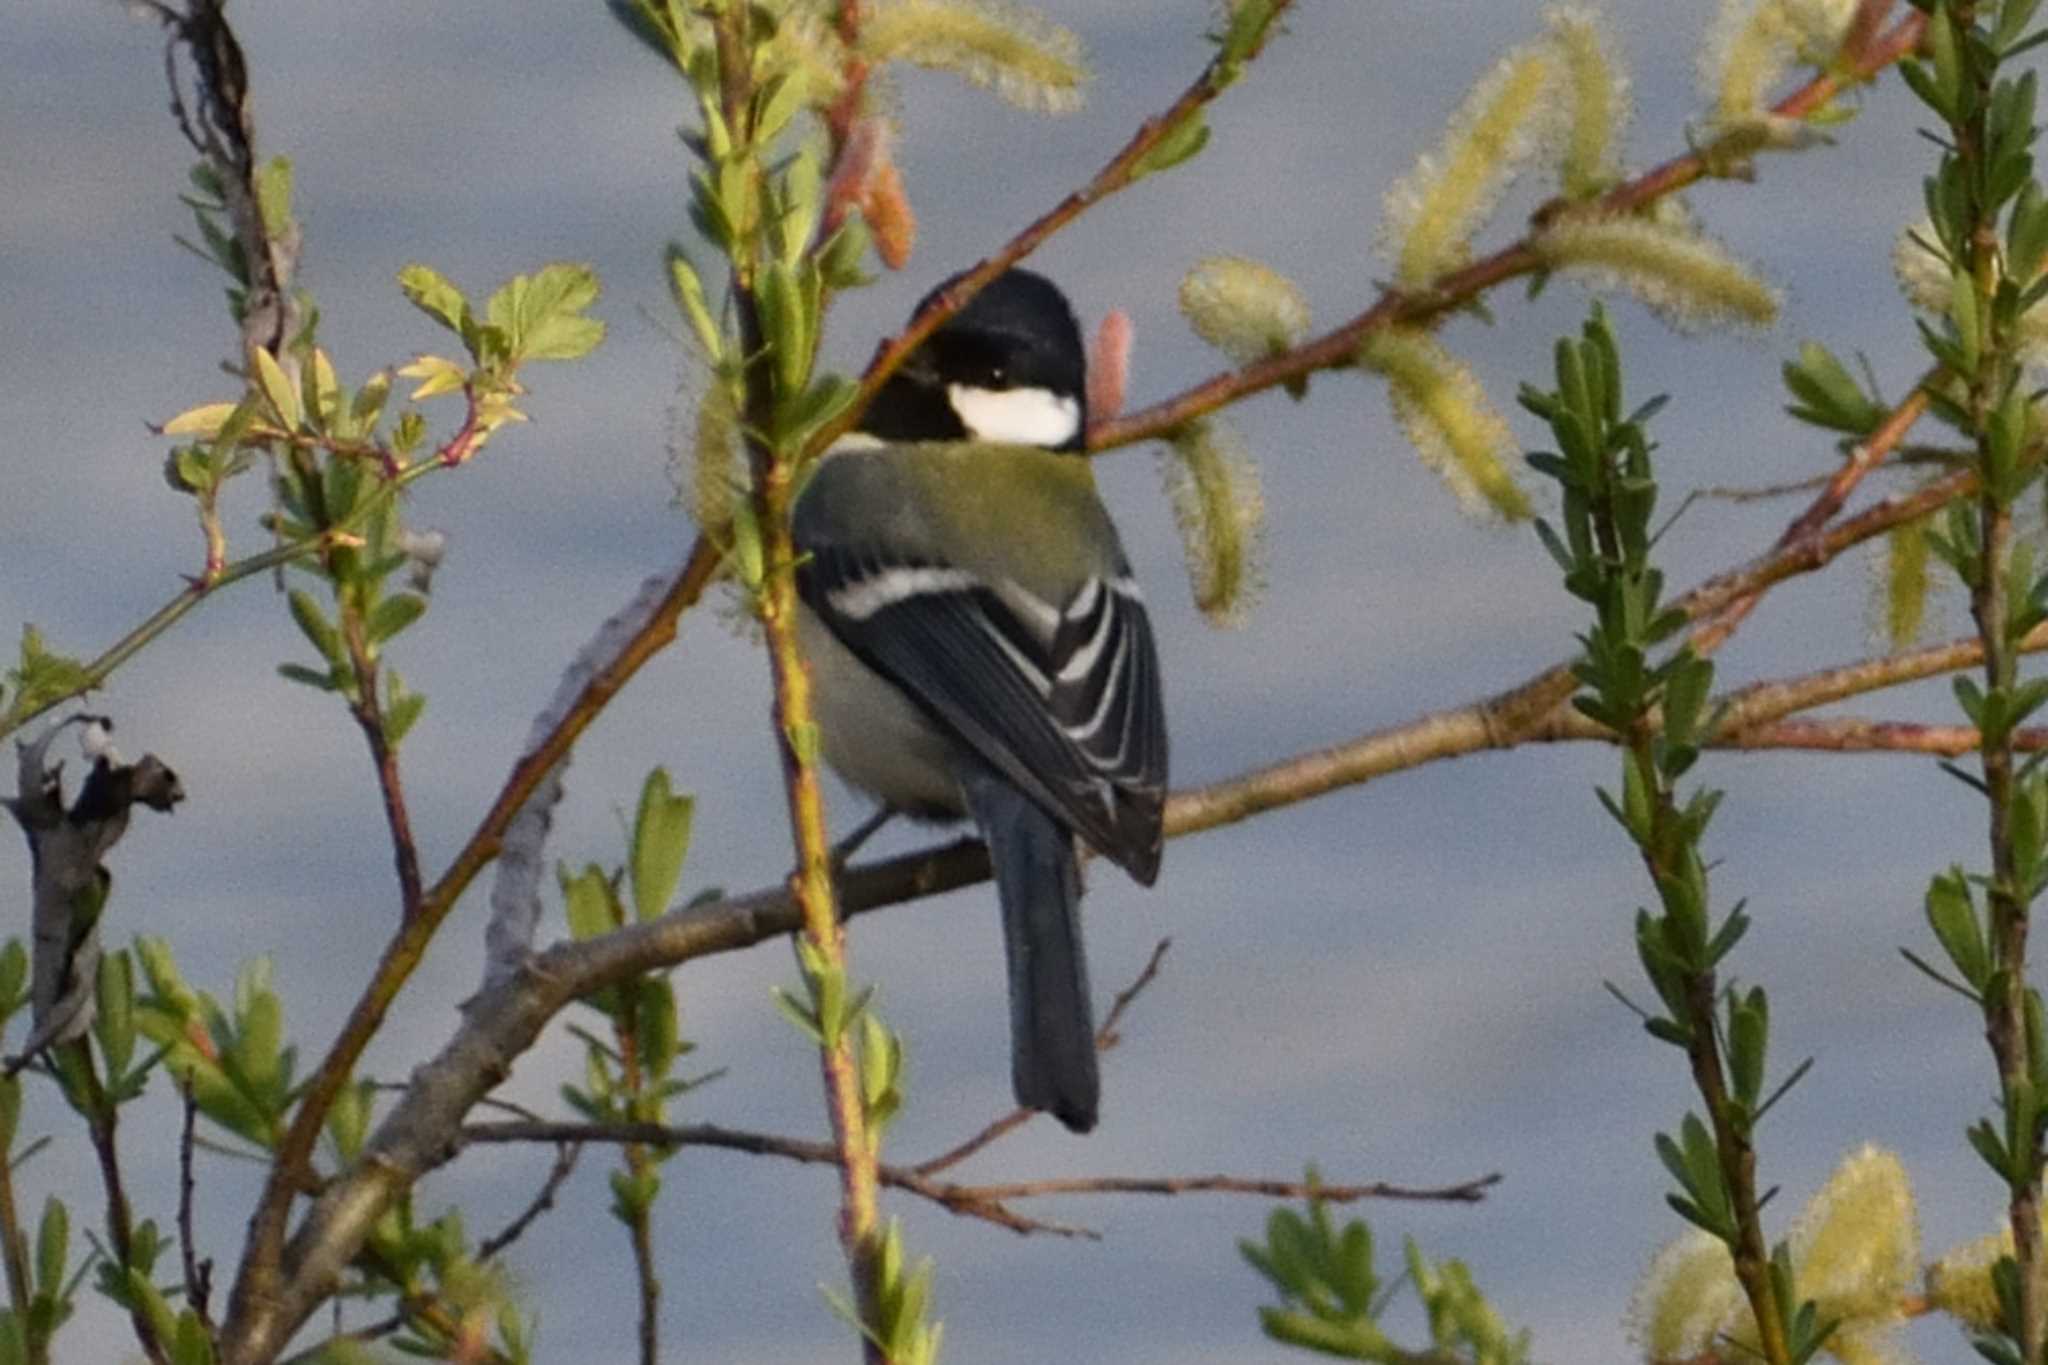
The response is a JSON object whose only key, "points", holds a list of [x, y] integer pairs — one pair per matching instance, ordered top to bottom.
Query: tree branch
{"points": [[1337, 349], [986, 1202], [255, 1327]]}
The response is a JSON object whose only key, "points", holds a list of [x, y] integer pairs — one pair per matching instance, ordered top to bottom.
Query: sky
{"points": [[1400, 981]]}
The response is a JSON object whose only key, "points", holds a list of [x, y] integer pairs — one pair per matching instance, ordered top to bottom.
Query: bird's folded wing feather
{"points": [[1062, 698]]}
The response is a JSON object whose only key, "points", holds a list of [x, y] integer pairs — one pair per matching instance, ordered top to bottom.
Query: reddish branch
{"points": [[1337, 349]]}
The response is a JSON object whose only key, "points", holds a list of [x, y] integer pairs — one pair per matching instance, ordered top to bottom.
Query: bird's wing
{"points": [[1060, 697]]}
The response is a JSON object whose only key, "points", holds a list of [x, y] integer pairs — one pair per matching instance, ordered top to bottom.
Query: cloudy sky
{"points": [[1398, 982]]}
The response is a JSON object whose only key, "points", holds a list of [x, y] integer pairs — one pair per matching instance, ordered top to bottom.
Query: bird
{"points": [[980, 649]]}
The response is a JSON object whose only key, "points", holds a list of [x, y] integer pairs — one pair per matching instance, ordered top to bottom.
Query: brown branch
{"points": [[1338, 348], [1865, 456], [1753, 717], [369, 718], [1856, 734], [90, 1098], [1463, 1192], [543, 1200], [986, 1202], [198, 1272], [255, 1327]]}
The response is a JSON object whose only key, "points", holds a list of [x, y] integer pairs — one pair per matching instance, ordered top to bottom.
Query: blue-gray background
{"points": [[1398, 982]]}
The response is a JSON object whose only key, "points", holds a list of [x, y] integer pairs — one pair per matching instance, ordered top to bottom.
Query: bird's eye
{"points": [[998, 376]]}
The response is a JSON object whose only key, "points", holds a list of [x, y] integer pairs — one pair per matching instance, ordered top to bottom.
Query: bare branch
{"points": [[543, 1200], [986, 1202], [198, 1273], [256, 1326]]}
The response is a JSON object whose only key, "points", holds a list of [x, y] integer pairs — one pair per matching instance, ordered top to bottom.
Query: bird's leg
{"points": [[865, 830]]}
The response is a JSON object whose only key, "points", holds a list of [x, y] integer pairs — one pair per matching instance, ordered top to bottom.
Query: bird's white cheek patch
{"points": [[1028, 417]]}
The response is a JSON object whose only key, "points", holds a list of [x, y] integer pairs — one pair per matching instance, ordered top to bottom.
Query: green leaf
{"points": [[778, 101], [1185, 141], [272, 182], [688, 290], [431, 293], [541, 315], [787, 328], [278, 390], [1828, 395], [822, 402], [368, 405], [393, 615], [315, 626], [311, 677], [42, 678], [402, 708], [661, 843], [588, 900], [1952, 915], [13, 980], [799, 1014], [114, 1023], [656, 1023], [1748, 1037], [259, 1040], [53, 1246], [193, 1345]]}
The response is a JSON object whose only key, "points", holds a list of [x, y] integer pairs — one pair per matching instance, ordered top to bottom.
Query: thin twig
{"points": [[1865, 456], [369, 718], [1856, 734], [1106, 1038], [100, 1127], [543, 1200], [986, 1202], [14, 1253], [198, 1272], [252, 1309]]}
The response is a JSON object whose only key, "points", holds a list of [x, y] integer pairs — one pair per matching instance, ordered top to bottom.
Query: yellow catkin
{"points": [[1820, 24], [1749, 48], [1029, 61], [1597, 101], [1432, 212], [1688, 279], [1244, 309], [1443, 410], [708, 472], [1212, 485], [1906, 583], [1856, 1245], [1855, 1253], [1959, 1284], [1685, 1296]]}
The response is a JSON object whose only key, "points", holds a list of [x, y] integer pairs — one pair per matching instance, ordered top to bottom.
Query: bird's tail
{"points": [[1052, 1023]]}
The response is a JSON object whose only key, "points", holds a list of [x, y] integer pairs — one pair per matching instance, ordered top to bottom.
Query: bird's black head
{"points": [[1009, 367]]}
